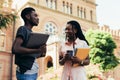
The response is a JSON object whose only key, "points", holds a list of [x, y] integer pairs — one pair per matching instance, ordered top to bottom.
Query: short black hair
{"points": [[26, 11]]}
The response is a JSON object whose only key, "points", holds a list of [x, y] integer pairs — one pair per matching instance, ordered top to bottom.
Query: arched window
{"points": [[47, 3], [51, 4], [55, 4], [63, 6], [67, 7], [70, 8], [78, 11], [81, 12], [84, 13], [91, 15], [50, 28], [49, 61]]}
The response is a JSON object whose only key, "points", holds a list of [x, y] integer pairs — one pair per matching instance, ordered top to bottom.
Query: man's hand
{"points": [[43, 50]]}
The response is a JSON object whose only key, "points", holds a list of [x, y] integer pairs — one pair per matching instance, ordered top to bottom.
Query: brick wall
{"points": [[5, 64]]}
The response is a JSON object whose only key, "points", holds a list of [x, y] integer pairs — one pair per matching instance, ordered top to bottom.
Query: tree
{"points": [[7, 14], [6, 19], [102, 47]]}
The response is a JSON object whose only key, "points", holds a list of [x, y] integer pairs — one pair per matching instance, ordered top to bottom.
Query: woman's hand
{"points": [[67, 57], [63, 59], [75, 59], [80, 62]]}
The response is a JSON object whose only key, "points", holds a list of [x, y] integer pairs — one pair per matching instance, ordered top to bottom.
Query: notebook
{"points": [[36, 40], [82, 53]]}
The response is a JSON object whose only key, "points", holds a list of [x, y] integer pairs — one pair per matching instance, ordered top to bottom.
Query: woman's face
{"points": [[70, 32]]}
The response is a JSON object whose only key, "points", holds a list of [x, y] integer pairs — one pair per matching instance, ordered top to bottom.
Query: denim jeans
{"points": [[26, 76]]}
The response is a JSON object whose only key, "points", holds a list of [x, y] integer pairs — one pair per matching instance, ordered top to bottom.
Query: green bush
{"points": [[102, 47]]}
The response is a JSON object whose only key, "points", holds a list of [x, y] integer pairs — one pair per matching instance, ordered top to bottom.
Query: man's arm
{"points": [[22, 50]]}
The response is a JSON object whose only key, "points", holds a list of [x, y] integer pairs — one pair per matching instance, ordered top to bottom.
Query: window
{"points": [[5, 3], [47, 3], [51, 4], [54, 4], [63, 6], [67, 8], [70, 8], [78, 11], [81, 12], [85, 13], [91, 15], [50, 28], [2, 41]]}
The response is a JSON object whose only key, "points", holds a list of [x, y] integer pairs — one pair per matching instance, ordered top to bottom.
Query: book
{"points": [[36, 40], [82, 53]]}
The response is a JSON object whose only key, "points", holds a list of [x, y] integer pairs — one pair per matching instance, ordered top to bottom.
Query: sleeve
{"points": [[21, 33], [61, 49]]}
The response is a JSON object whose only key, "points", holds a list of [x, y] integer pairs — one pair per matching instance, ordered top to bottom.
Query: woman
{"points": [[74, 39]]}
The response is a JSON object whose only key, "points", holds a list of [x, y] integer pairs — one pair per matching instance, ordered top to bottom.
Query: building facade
{"points": [[53, 15]]}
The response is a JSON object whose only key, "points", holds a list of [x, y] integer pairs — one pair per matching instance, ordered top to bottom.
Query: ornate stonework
{"points": [[57, 12]]}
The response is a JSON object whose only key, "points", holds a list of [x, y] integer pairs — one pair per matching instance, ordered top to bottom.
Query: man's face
{"points": [[34, 20]]}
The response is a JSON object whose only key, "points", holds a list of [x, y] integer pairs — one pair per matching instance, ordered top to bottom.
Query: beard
{"points": [[33, 23]]}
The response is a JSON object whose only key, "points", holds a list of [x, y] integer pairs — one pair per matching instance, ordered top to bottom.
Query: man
{"points": [[27, 68]]}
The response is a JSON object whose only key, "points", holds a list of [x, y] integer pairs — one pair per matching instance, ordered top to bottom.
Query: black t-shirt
{"points": [[24, 33], [22, 60]]}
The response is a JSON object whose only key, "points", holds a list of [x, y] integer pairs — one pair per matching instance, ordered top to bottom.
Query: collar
{"points": [[69, 43]]}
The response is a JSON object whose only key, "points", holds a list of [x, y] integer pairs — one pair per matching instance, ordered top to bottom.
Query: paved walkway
{"points": [[51, 74]]}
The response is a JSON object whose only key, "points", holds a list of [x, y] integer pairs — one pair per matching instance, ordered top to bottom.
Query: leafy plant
{"points": [[7, 19], [102, 47]]}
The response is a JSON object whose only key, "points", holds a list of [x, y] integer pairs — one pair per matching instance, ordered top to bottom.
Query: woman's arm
{"points": [[22, 50], [61, 60], [81, 62], [85, 62]]}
